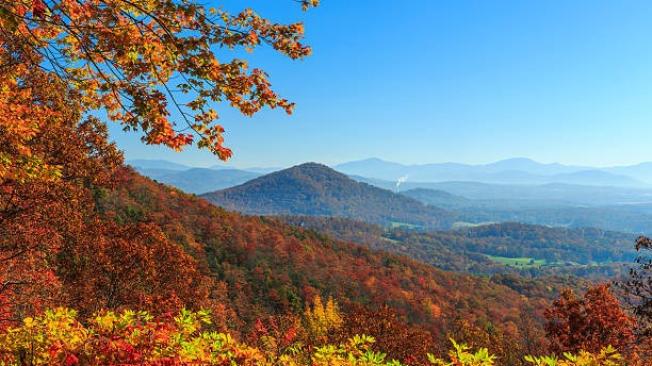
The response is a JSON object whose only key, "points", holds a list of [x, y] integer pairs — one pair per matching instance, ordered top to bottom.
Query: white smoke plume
{"points": [[400, 180]]}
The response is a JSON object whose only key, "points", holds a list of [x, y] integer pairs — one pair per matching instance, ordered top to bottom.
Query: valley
{"points": [[324, 183], [448, 231]]}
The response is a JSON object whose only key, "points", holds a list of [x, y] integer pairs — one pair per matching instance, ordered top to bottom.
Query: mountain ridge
{"points": [[517, 170], [508, 171], [200, 180], [317, 190]]}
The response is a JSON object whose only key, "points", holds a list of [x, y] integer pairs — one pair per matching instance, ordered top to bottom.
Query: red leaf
{"points": [[38, 9], [71, 360]]}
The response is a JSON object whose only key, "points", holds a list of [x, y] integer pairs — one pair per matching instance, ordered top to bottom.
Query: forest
{"points": [[317, 190], [585, 252], [100, 265]]}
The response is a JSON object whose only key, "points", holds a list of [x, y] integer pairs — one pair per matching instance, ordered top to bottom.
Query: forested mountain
{"points": [[314, 189], [562, 205], [100, 265], [263, 266]]}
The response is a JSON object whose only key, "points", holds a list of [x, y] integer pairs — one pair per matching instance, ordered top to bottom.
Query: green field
{"points": [[521, 262]]}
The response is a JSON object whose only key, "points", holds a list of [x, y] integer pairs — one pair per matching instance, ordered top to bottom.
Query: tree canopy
{"points": [[139, 61]]}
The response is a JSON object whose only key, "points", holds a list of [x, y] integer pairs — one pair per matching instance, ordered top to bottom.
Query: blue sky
{"points": [[425, 81]]}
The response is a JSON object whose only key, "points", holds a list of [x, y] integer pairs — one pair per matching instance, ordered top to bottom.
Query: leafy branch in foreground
{"points": [[140, 61]]}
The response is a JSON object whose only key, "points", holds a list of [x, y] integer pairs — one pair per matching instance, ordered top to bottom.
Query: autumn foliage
{"points": [[62, 61], [140, 61], [79, 230], [56, 247], [589, 323], [137, 338]]}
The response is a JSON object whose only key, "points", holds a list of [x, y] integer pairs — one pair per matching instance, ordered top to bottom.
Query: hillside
{"points": [[316, 190], [529, 250], [267, 267]]}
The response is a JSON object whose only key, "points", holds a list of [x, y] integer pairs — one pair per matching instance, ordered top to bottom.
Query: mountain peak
{"points": [[311, 165], [311, 172], [316, 190]]}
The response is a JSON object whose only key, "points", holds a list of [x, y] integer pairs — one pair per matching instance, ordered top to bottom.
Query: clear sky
{"points": [[424, 81]]}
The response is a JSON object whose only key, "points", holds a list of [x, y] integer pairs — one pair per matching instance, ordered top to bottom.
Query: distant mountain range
{"points": [[156, 164], [510, 171], [517, 171], [192, 180], [200, 180], [317, 190], [528, 195]]}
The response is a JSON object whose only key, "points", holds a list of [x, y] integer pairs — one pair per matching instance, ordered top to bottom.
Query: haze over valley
{"points": [[553, 195]]}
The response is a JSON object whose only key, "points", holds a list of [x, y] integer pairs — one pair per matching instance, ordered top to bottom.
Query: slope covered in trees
{"points": [[316, 190], [82, 231], [128, 242], [139, 244], [583, 245], [553, 251], [268, 267]]}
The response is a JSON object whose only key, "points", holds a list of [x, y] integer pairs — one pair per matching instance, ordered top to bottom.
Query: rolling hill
{"points": [[317, 190], [438, 198], [530, 250]]}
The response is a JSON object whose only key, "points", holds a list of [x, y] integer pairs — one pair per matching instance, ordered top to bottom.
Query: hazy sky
{"points": [[467, 81]]}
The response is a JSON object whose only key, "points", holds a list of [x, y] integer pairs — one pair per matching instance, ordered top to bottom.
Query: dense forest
{"points": [[317, 190], [529, 250], [102, 266], [252, 269]]}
